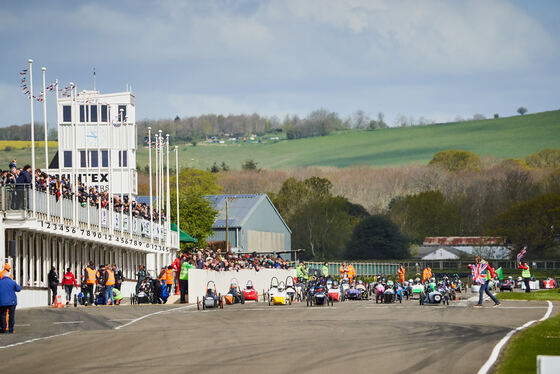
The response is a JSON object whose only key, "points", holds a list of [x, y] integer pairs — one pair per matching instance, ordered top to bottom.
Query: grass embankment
{"points": [[511, 137], [533, 295], [520, 355]]}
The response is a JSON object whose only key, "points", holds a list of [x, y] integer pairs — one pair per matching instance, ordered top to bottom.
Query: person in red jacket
{"points": [[68, 283]]}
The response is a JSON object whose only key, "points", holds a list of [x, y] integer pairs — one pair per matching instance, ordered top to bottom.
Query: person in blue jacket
{"points": [[8, 302]]}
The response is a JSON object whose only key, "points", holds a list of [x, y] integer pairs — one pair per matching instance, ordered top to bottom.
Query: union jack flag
{"points": [[521, 254], [479, 273]]}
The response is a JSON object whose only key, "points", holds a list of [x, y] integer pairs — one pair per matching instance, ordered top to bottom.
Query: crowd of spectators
{"points": [[20, 178], [219, 260]]}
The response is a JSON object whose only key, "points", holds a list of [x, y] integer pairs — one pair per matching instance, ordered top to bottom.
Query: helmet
{"points": [[433, 279], [390, 283]]}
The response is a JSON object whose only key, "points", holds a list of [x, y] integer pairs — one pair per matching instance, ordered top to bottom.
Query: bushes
{"points": [[454, 160]]}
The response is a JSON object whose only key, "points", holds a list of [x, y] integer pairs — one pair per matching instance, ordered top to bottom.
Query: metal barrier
{"points": [[19, 199], [462, 264], [363, 268]]}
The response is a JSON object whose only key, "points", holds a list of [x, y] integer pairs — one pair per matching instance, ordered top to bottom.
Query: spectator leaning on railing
{"points": [[20, 180]]}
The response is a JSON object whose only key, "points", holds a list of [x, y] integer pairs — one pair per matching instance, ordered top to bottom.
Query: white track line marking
{"points": [[153, 314], [122, 319], [69, 322], [26, 324], [34, 340], [496, 351]]}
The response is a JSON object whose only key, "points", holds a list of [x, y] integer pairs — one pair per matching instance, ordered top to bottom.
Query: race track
{"points": [[357, 337]]}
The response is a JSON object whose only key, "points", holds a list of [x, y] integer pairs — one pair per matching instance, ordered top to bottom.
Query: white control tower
{"points": [[97, 140]]}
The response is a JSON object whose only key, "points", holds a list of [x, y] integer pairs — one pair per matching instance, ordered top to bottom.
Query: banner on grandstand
{"points": [[103, 217], [116, 221], [125, 223], [134, 225], [145, 226]]}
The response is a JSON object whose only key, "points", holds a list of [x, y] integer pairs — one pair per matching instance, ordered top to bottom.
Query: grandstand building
{"points": [[97, 146]]}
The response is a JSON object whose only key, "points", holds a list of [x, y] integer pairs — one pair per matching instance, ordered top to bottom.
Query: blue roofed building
{"points": [[254, 224]]}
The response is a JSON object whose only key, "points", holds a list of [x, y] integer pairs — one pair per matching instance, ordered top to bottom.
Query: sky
{"points": [[430, 59]]}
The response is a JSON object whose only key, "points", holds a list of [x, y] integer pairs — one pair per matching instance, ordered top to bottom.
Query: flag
{"points": [[521, 254], [479, 273], [499, 273]]}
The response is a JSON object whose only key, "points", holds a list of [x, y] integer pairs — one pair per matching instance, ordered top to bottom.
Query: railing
{"points": [[20, 199], [462, 264], [365, 269]]}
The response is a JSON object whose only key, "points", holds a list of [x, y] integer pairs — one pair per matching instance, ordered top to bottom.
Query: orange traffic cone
{"points": [[177, 289], [58, 302]]}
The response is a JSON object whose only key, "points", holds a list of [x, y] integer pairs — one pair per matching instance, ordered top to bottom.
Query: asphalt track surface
{"points": [[358, 337]]}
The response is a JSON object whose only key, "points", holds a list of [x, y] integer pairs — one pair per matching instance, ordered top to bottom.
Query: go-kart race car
{"points": [[549, 283], [506, 284], [344, 286], [361, 286], [290, 288], [417, 288], [300, 289], [379, 289], [273, 290], [333, 291], [250, 293], [352, 293], [392, 293], [317, 294], [234, 295], [436, 296], [280, 297], [211, 298]]}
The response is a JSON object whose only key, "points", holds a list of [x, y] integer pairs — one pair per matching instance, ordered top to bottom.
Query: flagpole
{"points": [[44, 69], [87, 117], [32, 136], [110, 156], [99, 159], [121, 161], [157, 174], [160, 181], [129, 183], [74, 185], [177, 192], [60, 198], [168, 205], [151, 206]]}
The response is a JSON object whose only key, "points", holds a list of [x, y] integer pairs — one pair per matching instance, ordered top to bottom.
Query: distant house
{"points": [[254, 224], [458, 247], [440, 253]]}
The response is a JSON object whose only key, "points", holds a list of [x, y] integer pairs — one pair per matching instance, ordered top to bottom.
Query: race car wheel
{"points": [[437, 298]]}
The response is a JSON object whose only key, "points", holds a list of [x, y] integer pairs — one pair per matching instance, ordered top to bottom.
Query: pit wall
{"points": [[261, 280], [39, 297]]}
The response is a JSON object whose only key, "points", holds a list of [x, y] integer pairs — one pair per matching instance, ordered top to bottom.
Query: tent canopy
{"points": [[183, 236]]}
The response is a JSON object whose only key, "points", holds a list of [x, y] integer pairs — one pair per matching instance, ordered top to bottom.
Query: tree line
{"points": [[457, 194]]}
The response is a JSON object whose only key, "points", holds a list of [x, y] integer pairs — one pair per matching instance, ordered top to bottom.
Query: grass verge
{"points": [[533, 295], [521, 353]]}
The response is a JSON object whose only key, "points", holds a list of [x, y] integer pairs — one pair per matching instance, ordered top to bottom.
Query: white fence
{"points": [[261, 280]]}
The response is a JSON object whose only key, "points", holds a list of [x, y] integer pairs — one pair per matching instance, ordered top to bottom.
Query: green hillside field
{"points": [[511, 137]]}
